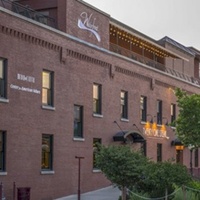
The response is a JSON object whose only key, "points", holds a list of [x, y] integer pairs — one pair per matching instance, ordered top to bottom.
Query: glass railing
{"points": [[28, 12], [151, 63]]}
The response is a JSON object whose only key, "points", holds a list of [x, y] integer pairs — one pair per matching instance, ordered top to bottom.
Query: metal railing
{"points": [[26, 11], [151, 63]]}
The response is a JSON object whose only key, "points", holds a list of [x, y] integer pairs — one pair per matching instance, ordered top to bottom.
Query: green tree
{"points": [[188, 121], [122, 166], [161, 178]]}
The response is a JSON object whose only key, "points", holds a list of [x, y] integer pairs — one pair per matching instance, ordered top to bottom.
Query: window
{"points": [[3, 63], [199, 70], [47, 88], [96, 98], [124, 104], [143, 108], [159, 112], [173, 113], [78, 121], [96, 142], [144, 148], [2, 150], [47, 152], [159, 152], [179, 156], [196, 158]]}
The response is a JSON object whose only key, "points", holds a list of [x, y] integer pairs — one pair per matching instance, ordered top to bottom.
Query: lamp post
{"points": [[191, 147], [79, 176]]}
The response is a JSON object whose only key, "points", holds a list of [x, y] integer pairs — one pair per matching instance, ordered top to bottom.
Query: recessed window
{"points": [[3, 63], [199, 70], [47, 88], [97, 99], [124, 104], [143, 108], [159, 112], [173, 113], [78, 121], [96, 142], [144, 148], [2, 150], [47, 152], [159, 152], [179, 156], [196, 158]]}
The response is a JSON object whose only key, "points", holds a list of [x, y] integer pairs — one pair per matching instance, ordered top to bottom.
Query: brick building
{"points": [[71, 76]]}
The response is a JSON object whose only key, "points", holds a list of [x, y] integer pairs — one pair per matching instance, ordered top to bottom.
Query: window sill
{"points": [[3, 100], [48, 107], [97, 115], [124, 120], [143, 122], [79, 139], [96, 170], [47, 172], [3, 173]]}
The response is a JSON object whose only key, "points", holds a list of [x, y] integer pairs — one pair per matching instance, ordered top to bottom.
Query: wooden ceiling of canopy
{"points": [[139, 41]]}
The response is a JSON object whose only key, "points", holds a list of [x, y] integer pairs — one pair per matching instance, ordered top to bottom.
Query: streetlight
{"points": [[191, 147], [79, 175]]}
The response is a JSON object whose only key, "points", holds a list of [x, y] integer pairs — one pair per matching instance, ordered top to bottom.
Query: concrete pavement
{"points": [[108, 193]]}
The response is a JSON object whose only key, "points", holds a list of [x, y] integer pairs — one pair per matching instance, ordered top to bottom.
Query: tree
{"points": [[188, 121], [122, 166], [160, 178]]}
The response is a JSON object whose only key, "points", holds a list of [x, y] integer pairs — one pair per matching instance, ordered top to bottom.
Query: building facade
{"points": [[72, 76]]}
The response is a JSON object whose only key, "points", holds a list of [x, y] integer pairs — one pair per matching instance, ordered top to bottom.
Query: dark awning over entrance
{"points": [[131, 136], [176, 142]]}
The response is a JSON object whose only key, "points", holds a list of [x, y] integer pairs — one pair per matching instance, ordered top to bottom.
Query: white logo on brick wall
{"points": [[87, 22], [24, 78]]}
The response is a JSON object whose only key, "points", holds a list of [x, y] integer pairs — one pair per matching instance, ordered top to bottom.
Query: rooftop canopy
{"points": [[135, 38]]}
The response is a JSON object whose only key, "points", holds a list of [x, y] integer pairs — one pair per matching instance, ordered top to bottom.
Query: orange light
{"points": [[147, 125], [154, 126], [163, 127], [181, 147]]}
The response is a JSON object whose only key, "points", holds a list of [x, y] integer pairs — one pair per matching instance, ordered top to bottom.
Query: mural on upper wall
{"points": [[87, 22]]}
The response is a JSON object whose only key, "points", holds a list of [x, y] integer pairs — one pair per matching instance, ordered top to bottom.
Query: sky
{"points": [[177, 19]]}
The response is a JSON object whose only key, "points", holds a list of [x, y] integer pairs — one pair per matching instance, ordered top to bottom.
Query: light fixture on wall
{"points": [[151, 128], [163, 129], [178, 144]]}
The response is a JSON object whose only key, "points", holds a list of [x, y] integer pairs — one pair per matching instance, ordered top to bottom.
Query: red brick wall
{"points": [[38, 4], [67, 13], [94, 17], [30, 49]]}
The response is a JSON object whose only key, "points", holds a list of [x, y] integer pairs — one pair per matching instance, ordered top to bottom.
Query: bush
{"points": [[161, 176], [194, 184], [188, 194], [139, 197]]}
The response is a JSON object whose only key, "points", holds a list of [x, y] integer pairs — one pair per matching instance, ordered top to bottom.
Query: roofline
{"points": [[93, 7], [130, 29], [148, 39], [176, 44], [92, 45]]}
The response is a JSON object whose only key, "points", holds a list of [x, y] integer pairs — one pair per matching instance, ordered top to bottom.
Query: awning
{"points": [[132, 136], [176, 142]]}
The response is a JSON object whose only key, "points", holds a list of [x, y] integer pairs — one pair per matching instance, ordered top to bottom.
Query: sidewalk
{"points": [[108, 193]]}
